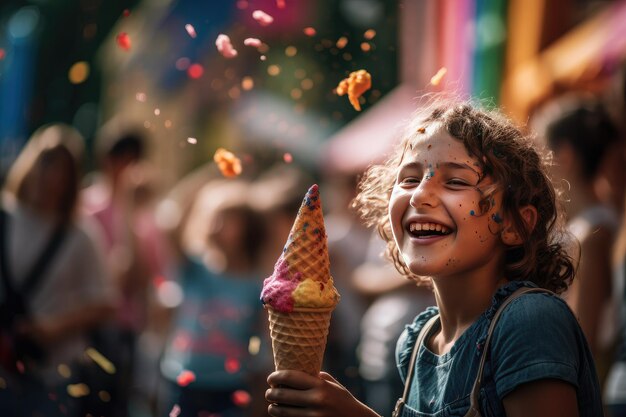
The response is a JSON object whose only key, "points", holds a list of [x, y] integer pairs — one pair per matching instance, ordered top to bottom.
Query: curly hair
{"points": [[517, 168]]}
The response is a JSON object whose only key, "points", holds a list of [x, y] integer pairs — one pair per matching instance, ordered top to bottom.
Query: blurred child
{"points": [[466, 201], [51, 263], [212, 362]]}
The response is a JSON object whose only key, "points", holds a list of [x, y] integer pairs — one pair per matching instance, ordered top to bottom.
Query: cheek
{"points": [[398, 204]]}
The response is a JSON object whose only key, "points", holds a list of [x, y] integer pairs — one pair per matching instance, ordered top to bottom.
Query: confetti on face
{"points": [[280, 4], [262, 18], [191, 30], [310, 31], [123, 41], [253, 42], [225, 47], [195, 71], [436, 79], [355, 85], [192, 141], [288, 158], [228, 164], [185, 378], [241, 398], [175, 411]]}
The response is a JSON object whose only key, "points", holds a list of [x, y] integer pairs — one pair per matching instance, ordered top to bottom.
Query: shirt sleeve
{"points": [[536, 338]]}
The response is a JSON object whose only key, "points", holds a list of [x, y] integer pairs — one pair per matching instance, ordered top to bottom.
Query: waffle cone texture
{"points": [[299, 338]]}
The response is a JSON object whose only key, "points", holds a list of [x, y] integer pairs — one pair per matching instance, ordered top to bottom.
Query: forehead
{"points": [[436, 146]]}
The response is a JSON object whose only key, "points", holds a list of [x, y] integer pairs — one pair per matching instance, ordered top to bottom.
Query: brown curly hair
{"points": [[518, 169]]}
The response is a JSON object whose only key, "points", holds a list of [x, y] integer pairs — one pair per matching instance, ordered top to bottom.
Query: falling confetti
{"points": [[280, 4], [126, 13], [262, 18], [191, 30], [310, 31], [369, 34], [123, 41], [254, 42], [341, 42], [225, 47], [365, 47], [2, 54], [182, 63], [195, 71], [79, 72], [436, 79], [247, 83], [355, 85], [141, 97], [193, 141], [288, 158], [228, 164], [254, 345], [102, 362], [232, 365], [20, 366], [64, 370], [185, 378], [77, 390], [104, 396], [241, 398], [175, 411]]}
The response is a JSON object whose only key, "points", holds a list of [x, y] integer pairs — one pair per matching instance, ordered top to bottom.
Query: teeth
{"points": [[415, 227]]}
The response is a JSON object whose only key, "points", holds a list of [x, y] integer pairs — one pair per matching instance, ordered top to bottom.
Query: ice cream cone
{"points": [[299, 338]]}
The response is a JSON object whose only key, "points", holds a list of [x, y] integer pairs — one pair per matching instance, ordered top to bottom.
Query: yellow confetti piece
{"points": [[79, 72], [436, 79], [254, 345], [106, 365], [64, 370], [77, 390]]}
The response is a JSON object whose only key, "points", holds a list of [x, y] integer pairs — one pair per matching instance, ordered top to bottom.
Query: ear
{"points": [[510, 236]]}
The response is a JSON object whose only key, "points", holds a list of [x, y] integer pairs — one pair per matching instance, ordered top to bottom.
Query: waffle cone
{"points": [[299, 338]]}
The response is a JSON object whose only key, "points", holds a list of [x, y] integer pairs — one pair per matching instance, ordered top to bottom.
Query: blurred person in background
{"points": [[580, 133], [130, 243], [51, 263], [214, 362]]}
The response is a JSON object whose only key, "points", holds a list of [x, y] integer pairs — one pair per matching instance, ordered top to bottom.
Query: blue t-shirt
{"points": [[213, 327], [537, 337]]}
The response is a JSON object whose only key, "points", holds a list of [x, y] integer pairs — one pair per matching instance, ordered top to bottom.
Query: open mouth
{"points": [[424, 230]]}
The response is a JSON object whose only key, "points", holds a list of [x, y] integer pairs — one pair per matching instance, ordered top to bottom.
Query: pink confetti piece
{"points": [[280, 4], [263, 18], [191, 30], [310, 31], [123, 41], [254, 42], [225, 47], [288, 158], [232, 365], [185, 378], [175, 411]]}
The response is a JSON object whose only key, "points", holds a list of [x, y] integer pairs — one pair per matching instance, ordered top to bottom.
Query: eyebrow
{"points": [[449, 165]]}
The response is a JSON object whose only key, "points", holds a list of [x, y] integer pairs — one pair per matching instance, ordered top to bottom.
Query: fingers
{"points": [[293, 379], [281, 410]]}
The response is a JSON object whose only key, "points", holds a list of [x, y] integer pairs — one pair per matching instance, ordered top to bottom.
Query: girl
{"points": [[466, 203]]}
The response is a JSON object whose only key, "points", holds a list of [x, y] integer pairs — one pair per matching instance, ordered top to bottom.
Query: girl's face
{"points": [[434, 211]]}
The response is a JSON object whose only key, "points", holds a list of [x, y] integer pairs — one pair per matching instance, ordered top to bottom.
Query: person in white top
{"points": [[70, 294]]}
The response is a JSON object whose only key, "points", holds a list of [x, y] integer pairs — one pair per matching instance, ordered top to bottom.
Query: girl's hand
{"points": [[297, 394]]}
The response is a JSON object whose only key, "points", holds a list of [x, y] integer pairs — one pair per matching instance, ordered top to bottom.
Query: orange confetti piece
{"points": [[262, 18], [191, 30], [310, 31], [369, 34], [123, 41], [341, 42], [225, 47], [436, 79], [355, 85], [228, 164], [185, 378]]}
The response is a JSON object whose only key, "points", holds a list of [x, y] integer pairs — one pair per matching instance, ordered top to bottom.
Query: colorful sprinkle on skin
{"points": [[123, 41]]}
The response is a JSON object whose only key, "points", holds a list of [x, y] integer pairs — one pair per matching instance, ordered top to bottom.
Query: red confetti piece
{"points": [[280, 4], [126, 13], [262, 18], [191, 30], [310, 31], [123, 41], [254, 42], [225, 47], [2, 54], [195, 71], [288, 158], [230, 166], [232, 365], [185, 378], [241, 398]]}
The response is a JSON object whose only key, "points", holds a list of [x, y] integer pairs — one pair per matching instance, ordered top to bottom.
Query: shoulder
{"points": [[407, 339]]}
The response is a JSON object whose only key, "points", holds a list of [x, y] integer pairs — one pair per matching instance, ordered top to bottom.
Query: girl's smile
{"points": [[437, 219]]}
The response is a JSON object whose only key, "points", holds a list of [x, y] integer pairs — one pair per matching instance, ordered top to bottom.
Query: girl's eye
{"points": [[409, 180], [458, 182]]}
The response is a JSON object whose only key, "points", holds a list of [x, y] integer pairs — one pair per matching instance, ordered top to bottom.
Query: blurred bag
{"points": [[16, 348]]}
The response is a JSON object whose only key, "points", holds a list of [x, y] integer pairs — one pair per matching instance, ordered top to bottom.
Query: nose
{"points": [[424, 194]]}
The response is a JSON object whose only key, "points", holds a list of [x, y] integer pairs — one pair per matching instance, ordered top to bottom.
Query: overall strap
{"points": [[409, 377], [474, 406]]}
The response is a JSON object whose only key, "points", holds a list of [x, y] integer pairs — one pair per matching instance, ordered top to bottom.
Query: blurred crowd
{"points": [[121, 298]]}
